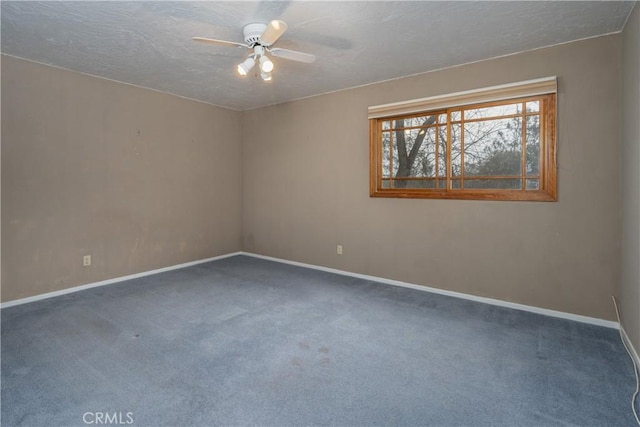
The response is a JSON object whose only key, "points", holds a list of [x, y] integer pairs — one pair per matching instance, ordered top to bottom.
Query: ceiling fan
{"points": [[260, 39]]}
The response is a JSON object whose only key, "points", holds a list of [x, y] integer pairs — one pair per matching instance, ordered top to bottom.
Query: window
{"points": [[500, 149]]}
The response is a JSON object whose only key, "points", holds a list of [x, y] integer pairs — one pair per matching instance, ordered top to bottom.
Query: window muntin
{"points": [[501, 150]]}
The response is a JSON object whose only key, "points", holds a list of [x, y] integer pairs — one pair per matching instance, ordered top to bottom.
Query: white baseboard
{"points": [[111, 281], [491, 301], [630, 346]]}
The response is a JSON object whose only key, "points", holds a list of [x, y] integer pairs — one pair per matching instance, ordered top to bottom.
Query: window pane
{"points": [[533, 106], [493, 111], [456, 116], [424, 121], [410, 122], [386, 124], [397, 124], [386, 137], [533, 145], [493, 147], [414, 151], [442, 151], [394, 153], [424, 164], [428, 165], [456, 167], [386, 183], [414, 183], [455, 184], [493, 184], [533, 184]]}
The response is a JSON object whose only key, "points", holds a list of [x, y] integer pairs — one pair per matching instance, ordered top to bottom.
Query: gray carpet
{"points": [[244, 341]]}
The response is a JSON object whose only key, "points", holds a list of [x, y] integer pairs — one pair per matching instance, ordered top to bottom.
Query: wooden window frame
{"points": [[547, 188]]}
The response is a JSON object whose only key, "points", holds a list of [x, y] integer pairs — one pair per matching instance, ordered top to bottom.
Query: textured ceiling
{"points": [[148, 43]]}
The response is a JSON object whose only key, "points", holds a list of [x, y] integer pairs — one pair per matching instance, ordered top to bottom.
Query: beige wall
{"points": [[138, 179], [143, 180], [305, 190], [630, 281]]}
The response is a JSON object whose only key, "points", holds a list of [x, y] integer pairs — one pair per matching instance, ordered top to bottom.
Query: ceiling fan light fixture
{"points": [[259, 39], [246, 66], [266, 66]]}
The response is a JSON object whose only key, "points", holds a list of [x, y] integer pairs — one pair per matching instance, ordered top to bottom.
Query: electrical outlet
{"points": [[339, 250], [86, 260]]}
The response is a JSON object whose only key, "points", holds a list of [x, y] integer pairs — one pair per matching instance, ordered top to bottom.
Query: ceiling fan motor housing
{"points": [[252, 33]]}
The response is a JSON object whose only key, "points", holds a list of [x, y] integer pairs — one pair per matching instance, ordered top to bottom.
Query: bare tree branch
{"points": [[406, 160]]}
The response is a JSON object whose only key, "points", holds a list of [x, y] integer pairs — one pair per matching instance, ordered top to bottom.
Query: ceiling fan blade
{"points": [[272, 33], [218, 42], [293, 55]]}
